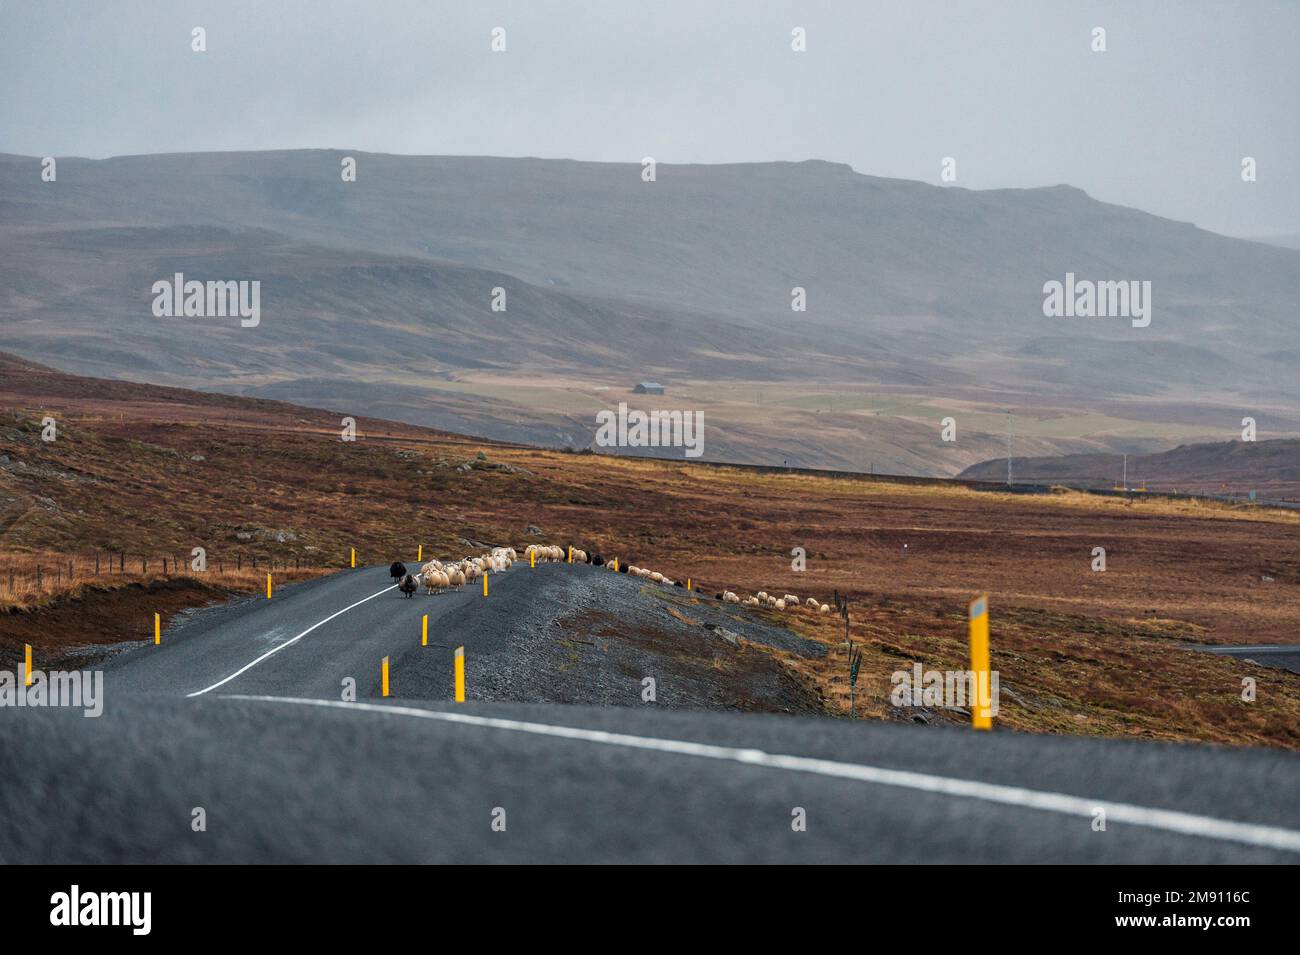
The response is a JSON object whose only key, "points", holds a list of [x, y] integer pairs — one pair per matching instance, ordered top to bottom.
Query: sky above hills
{"points": [[1013, 91]]}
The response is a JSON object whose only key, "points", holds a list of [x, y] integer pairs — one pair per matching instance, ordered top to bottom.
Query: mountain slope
{"points": [[922, 301], [1270, 467]]}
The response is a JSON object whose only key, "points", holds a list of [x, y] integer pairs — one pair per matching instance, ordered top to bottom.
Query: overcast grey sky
{"points": [[1012, 90]]}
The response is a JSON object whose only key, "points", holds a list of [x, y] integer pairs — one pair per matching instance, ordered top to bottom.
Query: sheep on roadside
{"points": [[397, 570], [456, 578], [435, 580], [407, 586], [729, 597], [791, 600], [812, 602], [780, 604], [824, 608]]}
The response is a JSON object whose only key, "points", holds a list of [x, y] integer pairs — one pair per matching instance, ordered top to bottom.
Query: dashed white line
{"points": [[288, 643], [1188, 824]]}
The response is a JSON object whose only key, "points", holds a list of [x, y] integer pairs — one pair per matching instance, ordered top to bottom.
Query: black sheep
{"points": [[597, 560], [622, 568], [397, 571], [407, 586]]}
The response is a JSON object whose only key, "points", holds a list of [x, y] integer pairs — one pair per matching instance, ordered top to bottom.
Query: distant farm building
{"points": [[648, 388]]}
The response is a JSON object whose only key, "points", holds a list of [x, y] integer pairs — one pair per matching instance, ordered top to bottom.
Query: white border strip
{"points": [[287, 643], [1268, 837]]}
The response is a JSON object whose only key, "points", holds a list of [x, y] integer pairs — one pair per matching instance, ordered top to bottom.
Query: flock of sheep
{"points": [[439, 577], [762, 599], [784, 602]]}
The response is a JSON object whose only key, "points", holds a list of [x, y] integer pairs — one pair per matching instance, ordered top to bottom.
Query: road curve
{"points": [[284, 771]]}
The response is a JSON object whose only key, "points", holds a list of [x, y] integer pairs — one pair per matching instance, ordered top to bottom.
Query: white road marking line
{"points": [[287, 643], [1269, 837]]}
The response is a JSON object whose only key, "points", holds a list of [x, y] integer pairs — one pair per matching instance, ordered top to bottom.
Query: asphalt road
{"points": [[1270, 655], [239, 714]]}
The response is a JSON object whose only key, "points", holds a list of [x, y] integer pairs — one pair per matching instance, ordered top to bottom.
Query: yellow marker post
{"points": [[570, 553], [419, 554], [354, 557], [532, 558], [616, 565], [485, 576], [688, 583], [268, 586], [157, 628], [424, 631], [979, 662], [27, 668], [460, 674], [385, 676]]}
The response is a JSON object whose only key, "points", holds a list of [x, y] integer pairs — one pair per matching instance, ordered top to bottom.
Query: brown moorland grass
{"points": [[150, 471]]}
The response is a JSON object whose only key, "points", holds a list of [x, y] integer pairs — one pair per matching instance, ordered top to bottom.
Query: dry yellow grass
{"points": [[1079, 652]]}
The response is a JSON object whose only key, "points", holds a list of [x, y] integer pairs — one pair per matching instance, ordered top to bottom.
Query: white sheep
{"points": [[812, 602], [780, 604], [824, 608]]}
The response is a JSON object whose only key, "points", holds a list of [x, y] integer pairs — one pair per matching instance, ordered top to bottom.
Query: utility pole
{"points": [[1008, 449], [1124, 485]]}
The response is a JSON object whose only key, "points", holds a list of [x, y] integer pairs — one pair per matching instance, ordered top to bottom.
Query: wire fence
{"points": [[30, 578]]}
